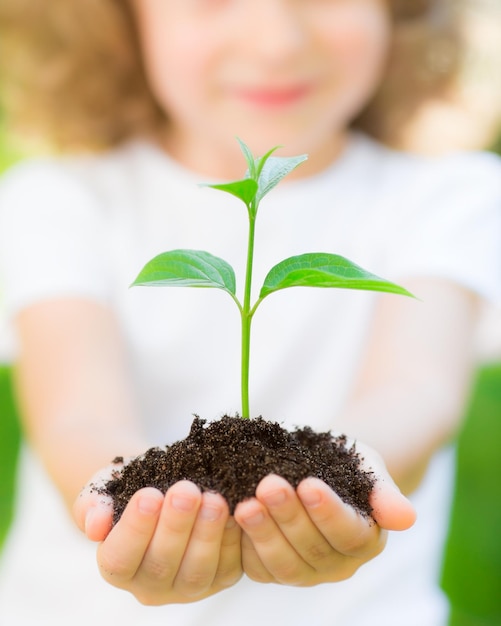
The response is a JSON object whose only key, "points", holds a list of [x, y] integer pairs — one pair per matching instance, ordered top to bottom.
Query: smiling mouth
{"points": [[273, 96]]}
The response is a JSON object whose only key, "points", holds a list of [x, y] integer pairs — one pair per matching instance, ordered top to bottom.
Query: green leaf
{"points": [[249, 157], [261, 161], [255, 165], [268, 170], [274, 170], [244, 189], [187, 268], [324, 270]]}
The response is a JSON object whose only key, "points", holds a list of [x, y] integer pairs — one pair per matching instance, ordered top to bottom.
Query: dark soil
{"points": [[231, 455]]}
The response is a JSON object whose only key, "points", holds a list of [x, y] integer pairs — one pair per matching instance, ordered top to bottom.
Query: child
{"points": [[103, 371]]}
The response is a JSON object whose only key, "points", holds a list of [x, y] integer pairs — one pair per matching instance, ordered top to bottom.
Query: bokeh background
{"points": [[468, 117]]}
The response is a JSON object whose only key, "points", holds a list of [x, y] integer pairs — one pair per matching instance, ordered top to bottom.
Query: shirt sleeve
{"points": [[450, 225], [52, 237]]}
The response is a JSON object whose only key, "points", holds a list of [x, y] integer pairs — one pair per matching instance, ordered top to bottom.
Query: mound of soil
{"points": [[231, 455]]}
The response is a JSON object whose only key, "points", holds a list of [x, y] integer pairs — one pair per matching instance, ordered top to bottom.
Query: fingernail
{"points": [[311, 497], [275, 498], [183, 503], [149, 505], [211, 507], [210, 513], [89, 518], [255, 519]]}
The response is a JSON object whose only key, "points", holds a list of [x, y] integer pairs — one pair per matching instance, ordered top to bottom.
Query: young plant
{"points": [[197, 268]]}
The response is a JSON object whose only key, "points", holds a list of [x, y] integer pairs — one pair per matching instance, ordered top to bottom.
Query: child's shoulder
{"points": [[457, 170], [61, 176], [38, 184], [412, 191]]}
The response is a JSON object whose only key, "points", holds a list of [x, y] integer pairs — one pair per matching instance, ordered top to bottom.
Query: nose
{"points": [[274, 30]]}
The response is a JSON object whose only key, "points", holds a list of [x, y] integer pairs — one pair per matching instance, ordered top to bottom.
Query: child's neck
{"points": [[223, 161]]}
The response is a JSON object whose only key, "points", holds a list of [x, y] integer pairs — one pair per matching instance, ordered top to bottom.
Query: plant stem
{"points": [[247, 315]]}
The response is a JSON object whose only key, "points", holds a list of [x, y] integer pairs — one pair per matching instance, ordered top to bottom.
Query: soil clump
{"points": [[231, 455]]}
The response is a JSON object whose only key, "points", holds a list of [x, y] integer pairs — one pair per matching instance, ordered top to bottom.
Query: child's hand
{"points": [[309, 536], [184, 546], [180, 547]]}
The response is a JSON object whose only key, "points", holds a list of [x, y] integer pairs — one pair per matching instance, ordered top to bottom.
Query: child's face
{"points": [[289, 72]]}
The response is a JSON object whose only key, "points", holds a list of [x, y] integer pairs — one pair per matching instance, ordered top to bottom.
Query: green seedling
{"points": [[197, 268]]}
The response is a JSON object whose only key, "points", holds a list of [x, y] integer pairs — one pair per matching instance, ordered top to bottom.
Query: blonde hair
{"points": [[71, 71]]}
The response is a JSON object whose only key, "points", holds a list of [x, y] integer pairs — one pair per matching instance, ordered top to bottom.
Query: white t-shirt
{"points": [[86, 225]]}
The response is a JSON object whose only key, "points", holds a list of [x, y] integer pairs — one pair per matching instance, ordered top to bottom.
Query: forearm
{"points": [[415, 376], [75, 393], [405, 425], [72, 450]]}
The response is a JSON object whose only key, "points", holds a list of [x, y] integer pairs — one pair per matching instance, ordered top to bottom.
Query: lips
{"points": [[274, 96]]}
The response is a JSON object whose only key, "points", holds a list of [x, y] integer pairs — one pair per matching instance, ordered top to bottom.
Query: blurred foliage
{"points": [[496, 146], [9, 151], [9, 425], [9, 449], [472, 567]]}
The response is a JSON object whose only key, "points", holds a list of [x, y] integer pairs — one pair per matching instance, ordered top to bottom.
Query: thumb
{"points": [[93, 509], [391, 509]]}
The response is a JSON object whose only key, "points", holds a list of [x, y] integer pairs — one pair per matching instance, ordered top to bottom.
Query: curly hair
{"points": [[71, 72]]}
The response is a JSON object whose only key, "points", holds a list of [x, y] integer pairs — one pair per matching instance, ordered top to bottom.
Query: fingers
{"points": [[391, 509], [92, 510], [93, 514], [99, 520], [346, 531], [283, 536], [304, 537], [184, 545], [265, 545], [178, 548], [122, 552], [201, 557], [212, 558], [252, 564], [229, 568]]}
